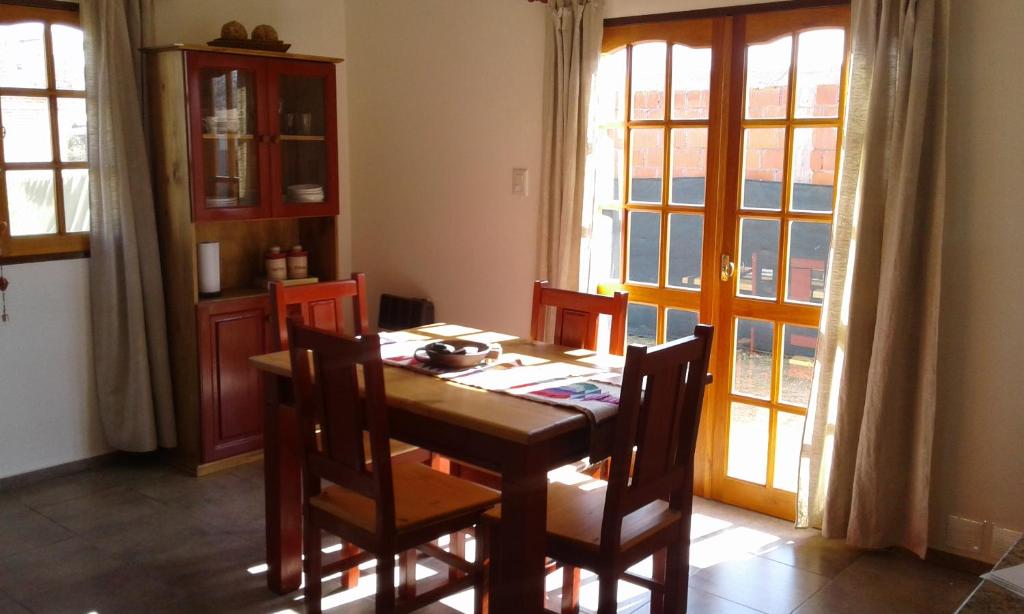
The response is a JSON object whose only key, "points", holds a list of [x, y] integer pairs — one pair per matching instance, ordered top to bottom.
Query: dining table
{"points": [[512, 435]]}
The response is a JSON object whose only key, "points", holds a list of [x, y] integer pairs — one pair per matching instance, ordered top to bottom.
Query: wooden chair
{"points": [[319, 305], [576, 317], [646, 506], [388, 510]]}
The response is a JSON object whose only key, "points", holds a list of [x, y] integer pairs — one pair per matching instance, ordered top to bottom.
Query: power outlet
{"points": [[965, 534], [1002, 540]]}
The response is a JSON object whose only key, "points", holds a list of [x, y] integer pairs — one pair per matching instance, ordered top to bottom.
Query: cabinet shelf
{"points": [[228, 135], [301, 137]]}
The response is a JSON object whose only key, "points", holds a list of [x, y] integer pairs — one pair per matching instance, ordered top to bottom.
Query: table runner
{"points": [[592, 391]]}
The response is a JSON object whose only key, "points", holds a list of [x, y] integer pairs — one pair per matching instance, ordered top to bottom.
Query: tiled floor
{"points": [[142, 538]]}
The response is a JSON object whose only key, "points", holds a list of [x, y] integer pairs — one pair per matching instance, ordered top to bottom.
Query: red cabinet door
{"points": [[228, 136], [304, 138], [231, 391]]}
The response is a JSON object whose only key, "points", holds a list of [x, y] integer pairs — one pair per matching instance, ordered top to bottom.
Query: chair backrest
{"points": [[318, 305], [576, 316], [327, 395], [659, 413]]}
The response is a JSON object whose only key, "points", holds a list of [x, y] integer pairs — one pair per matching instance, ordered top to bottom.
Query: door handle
{"points": [[728, 267]]}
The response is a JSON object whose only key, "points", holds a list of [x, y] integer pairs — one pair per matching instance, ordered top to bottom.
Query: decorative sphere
{"points": [[233, 29], [264, 32]]}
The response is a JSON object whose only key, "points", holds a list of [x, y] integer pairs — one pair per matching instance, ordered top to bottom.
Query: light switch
{"points": [[520, 181]]}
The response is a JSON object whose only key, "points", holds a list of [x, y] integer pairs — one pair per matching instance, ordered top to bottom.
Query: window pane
{"points": [[22, 56], [68, 57], [819, 62], [768, 79], [648, 81], [691, 82], [610, 91], [26, 122], [71, 129], [764, 158], [647, 161], [607, 164], [689, 165], [814, 168], [76, 199], [30, 203], [685, 242], [644, 247], [606, 250], [759, 256], [808, 260], [679, 323], [641, 324], [798, 347], [752, 366], [789, 433], [748, 443]]}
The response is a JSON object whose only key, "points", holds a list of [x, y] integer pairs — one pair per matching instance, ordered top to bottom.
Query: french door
{"points": [[715, 164]]}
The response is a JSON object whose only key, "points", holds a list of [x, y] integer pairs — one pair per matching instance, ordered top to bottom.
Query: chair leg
{"points": [[457, 546], [483, 552], [314, 568], [407, 575], [658, 575], [677, 576], [349, 577], [570, 590], [607, 593], [385, 600]]}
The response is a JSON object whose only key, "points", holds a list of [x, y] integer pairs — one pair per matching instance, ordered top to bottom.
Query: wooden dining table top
{"points": [[493, 413]]}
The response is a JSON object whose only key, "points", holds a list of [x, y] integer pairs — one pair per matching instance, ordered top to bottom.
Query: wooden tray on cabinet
{"points": [[245, 43]]}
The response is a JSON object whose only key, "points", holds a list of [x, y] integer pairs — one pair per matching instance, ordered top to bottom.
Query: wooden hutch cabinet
{"points": [[245, 153]]}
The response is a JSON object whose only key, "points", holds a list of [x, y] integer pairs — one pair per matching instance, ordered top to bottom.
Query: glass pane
{"points": [[22, 55], [68, 57], [819, 62], [768, 79], [648, 81], [691, 82], [610, 91], [71, 128], [26, 129], [764, 160], [607, 161], [647, 161], [230, 163], [689, 165], [814, 168], [303, 171], [76, 199], [30, 203], [685, 242], [644, 247], [606, 251], [759, 256], [808, 261], [679, 323], [641, 324], [798, 347], [752, 366], [789, 433], [748, 443]]}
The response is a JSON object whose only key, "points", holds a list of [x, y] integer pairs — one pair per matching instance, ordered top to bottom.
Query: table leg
{"points": [[282, 480], [517, 578]]}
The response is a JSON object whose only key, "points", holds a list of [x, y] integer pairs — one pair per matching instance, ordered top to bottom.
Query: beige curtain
{"points": [[576, 30], [133, 385], [866, 467]]}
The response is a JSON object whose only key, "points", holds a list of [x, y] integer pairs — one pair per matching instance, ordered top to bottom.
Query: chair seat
{"points": [[422, 496], [575, 516]]}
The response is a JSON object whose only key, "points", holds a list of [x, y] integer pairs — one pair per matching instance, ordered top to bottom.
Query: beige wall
{"points": [[445, 100]]}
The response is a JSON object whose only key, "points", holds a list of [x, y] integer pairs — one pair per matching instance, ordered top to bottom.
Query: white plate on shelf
{"points": [[217, 203]]}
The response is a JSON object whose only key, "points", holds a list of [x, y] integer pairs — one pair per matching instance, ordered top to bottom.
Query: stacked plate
{"points": [[305, 193], [219, 203]]}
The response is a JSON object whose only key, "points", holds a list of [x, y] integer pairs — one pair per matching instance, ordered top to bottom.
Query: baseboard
{"points": [[227, 463], [48, 473], [958, 562]]}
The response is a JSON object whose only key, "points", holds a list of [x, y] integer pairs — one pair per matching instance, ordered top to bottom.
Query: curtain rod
{"points": [[57, 5], [725, 11]]}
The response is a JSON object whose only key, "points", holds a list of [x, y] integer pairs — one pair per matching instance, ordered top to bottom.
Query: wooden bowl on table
{"points": [[453, 353]]}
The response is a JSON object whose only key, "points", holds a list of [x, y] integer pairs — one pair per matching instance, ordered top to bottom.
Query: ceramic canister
{"points": [[298, 263], [276, 266]]}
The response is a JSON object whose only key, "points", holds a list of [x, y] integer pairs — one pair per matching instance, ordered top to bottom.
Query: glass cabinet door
{"points": [[226, 117], [305, 158]]}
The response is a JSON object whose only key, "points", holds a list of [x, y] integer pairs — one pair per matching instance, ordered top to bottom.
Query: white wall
{"points": [[445, 100], [47, 410]]}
